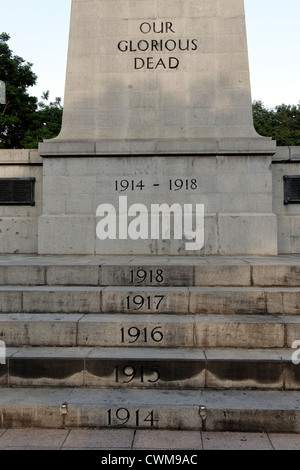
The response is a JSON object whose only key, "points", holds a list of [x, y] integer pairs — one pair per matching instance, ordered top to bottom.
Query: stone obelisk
{"points": [[157, 77], [158, 92]]}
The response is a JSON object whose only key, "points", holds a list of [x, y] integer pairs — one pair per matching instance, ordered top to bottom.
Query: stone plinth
{"points": [[158, 111], [236, 193]]}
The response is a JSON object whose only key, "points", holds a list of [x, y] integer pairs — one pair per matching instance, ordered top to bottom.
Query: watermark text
{"points": [[137, 222]]}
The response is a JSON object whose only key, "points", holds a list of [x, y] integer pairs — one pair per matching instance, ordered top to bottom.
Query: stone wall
{"points": [[286, 162], [236, 192], [19, 224]]}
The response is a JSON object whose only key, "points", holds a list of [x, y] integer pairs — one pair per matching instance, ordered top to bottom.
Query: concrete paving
{"points": [[133, 440]]}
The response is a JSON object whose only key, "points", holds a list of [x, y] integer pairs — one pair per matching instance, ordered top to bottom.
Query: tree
{"points": [[16, 114], [48, 119], [23, 121], [281, 123]]}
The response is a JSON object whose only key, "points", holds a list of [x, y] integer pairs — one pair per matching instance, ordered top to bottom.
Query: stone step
{"points": [[151, 271], [125, 299], [157, 331], [145, 368], [207, 410]]}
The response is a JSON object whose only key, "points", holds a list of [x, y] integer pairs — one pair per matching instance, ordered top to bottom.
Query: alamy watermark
{"points": [[2, 92], [161, 221], [296, 354]]}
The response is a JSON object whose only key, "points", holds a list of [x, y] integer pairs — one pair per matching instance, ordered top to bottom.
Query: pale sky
{"points": [[39, 33]]}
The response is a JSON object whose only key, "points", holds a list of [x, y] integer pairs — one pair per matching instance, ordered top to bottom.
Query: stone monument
{"points": [[157, 130], [157, 156]]}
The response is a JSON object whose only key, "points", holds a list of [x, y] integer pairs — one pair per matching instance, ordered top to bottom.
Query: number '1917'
{"points": [[148, 302]]}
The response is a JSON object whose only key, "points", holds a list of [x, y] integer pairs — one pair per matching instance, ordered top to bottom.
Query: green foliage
{"points": [[23, 121], [47, 123], [281, 123]]}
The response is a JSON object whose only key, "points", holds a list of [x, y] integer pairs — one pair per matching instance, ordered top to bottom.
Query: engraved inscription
{"points": [[153, 46], [176, 184], [141, 276], [149, 302], [133, 334], [129, 373], [123, 416]]}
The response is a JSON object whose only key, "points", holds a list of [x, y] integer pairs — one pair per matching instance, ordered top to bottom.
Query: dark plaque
{"points": [[291, 189], [17, 191]]}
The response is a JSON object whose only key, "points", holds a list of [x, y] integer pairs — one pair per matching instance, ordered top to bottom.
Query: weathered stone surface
{"points": [[157, 79], [20, 156], [236, 193], [19, 234], [248, 234], [66, 235], [22, 275], [72, 275], [141, 275], [222, 275], [276, 275], [61, 300], [150, 300], [10, 301], [227, 301], [284, 301], [39, 329], [139, 331], [163, 331], [251, 331], [47, 367], [164, 368], [244, 369], [149, 370], [230, 410]]}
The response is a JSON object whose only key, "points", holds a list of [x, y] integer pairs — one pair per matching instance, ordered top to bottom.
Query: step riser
{"points": [[152, 275], [168, 300], [120, 327], [87, 331], [150, 374], [257, 411], [100, 417], [277, 421]]}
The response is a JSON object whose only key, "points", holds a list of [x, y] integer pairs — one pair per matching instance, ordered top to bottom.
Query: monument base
{"points": [[252, 144], [234, 191]]}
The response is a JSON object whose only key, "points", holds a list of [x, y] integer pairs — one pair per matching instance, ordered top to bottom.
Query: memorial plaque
{"points": [[291, 189], [17, 191]]}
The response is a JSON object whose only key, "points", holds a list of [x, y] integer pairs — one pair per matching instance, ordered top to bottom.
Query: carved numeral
{"points": [[180, 184], [128, 185], [141, 275], [148, 302], [133, 334], [129, 373], [123, 416]]}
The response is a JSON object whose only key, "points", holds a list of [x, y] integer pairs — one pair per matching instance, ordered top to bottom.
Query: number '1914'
{"points": [[123, 416]]}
